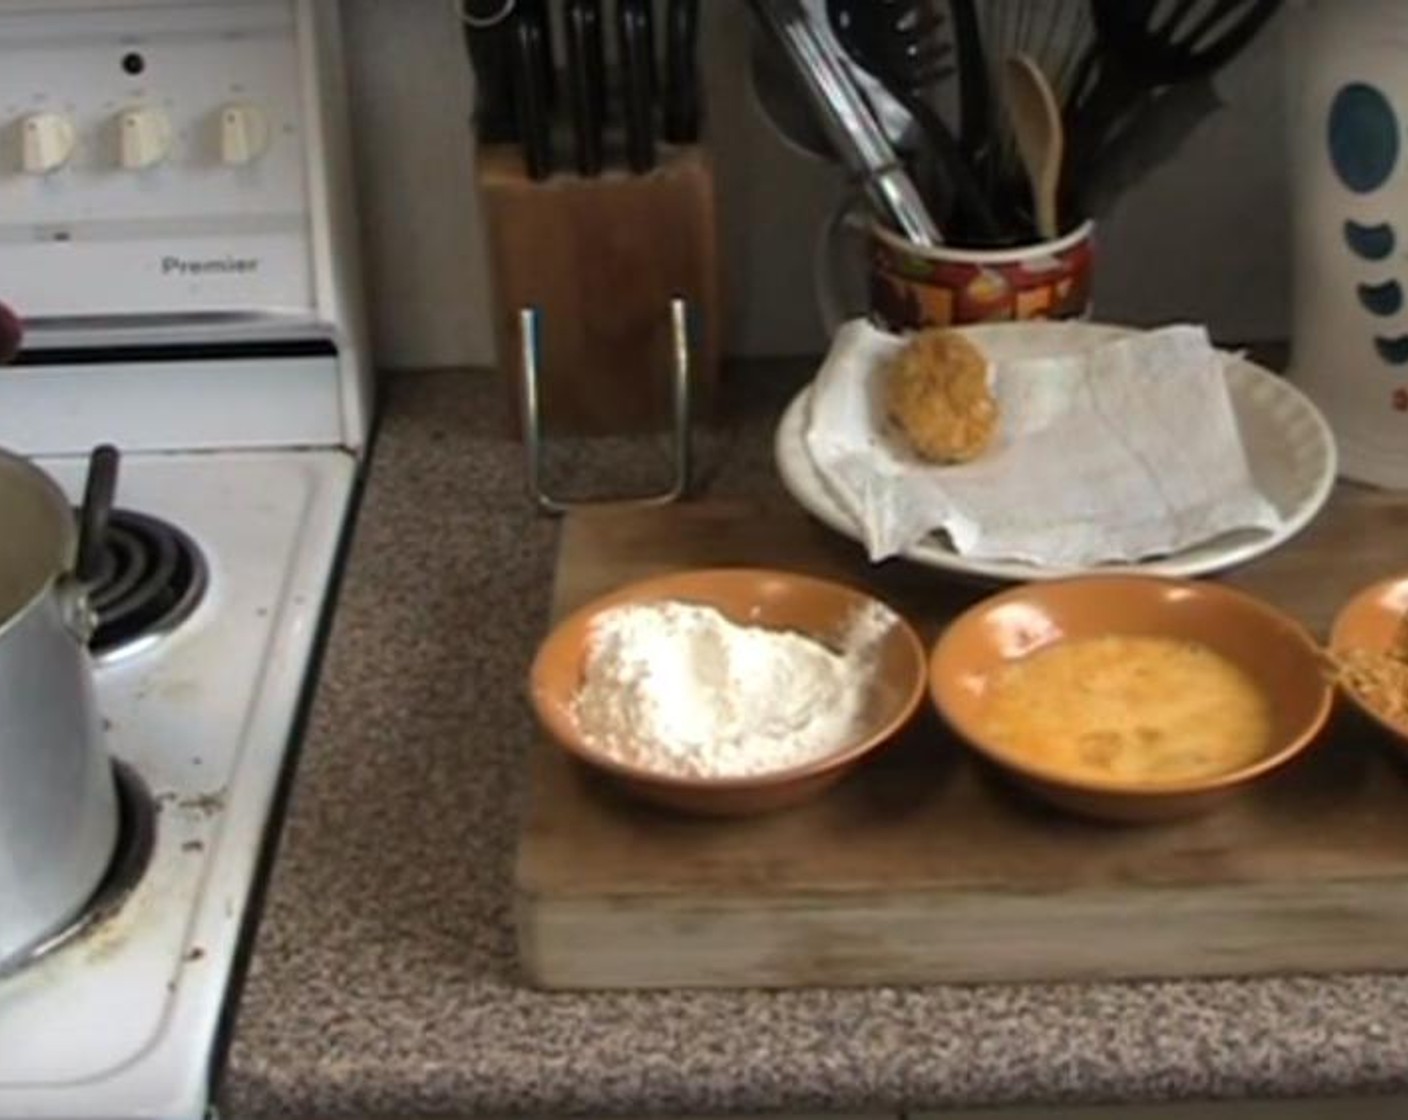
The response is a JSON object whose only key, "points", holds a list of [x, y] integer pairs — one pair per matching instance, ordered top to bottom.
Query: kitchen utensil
{"points": [[538, 12], [486, 34], [904, 34], [1056, 34], [1180, 39], [891, 40], [636, 47], [1141, 47], [928, 56], [652, 62], [532, 63], [681, 72], [586, 77], [974, 102], [790, 107], [849, 121], [1152, 132], [1041, 138], [1289, 448], [750, 596], [1372, 621], [1276, 652], [58, 805]]}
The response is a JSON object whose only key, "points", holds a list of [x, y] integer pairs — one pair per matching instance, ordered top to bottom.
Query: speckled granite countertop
{"points": [[383, 979]]}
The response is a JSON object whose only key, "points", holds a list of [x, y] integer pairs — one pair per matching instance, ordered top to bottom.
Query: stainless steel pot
{"points": [[58, 804]]}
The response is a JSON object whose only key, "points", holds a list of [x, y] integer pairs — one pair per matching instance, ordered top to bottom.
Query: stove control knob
{"points": [[244, 134], [144, 137], [46, 141]]}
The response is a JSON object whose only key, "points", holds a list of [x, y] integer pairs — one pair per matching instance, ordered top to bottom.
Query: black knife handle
{"points": [[537, 10], [647, 14], [633, 26], [491, 59], [596, 59], [682, 72], [586, 75], [530, 96], [974, 106]]}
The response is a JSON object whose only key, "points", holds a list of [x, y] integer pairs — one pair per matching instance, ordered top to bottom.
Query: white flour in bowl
{"points": [[679, 689]]}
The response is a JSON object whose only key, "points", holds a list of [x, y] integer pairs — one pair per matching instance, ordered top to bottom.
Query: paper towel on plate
{"points": [[1112, 454]]}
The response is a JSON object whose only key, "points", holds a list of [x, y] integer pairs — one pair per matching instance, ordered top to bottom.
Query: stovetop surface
{"points": [[204, 719]]}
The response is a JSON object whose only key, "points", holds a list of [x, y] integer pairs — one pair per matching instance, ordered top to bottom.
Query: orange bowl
{"points": [[758, 597], [1370, 621], [1277, 653]]}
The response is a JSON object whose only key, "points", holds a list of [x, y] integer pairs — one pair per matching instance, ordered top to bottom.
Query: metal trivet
{"points": [[529, 343]]}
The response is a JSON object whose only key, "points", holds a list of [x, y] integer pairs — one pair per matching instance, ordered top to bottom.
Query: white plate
{"points": [[1289, 447]]}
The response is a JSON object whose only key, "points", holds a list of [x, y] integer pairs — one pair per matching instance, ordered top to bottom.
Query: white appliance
{"points": [[1348, 107], [176, 230]]}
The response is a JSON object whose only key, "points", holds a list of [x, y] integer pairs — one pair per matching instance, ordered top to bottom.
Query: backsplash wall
{"points": [[1204, 238]]}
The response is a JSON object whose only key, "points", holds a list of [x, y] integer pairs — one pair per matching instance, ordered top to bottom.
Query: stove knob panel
{"points": [[244, 134], [144, 137], [46, 142]]}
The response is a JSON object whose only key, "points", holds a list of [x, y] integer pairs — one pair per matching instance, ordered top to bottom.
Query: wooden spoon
{"points": [[1041, 137]]}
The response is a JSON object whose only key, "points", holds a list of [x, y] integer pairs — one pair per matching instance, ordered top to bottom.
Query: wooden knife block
{"points": [[601, 259]]}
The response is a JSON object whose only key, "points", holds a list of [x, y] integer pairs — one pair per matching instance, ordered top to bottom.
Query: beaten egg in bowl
{"points": [[1130, 697], [1129, 708]]}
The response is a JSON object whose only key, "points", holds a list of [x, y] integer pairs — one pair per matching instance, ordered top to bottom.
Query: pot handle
{"points": [[98, 493], [93, 516], [78, 616]]}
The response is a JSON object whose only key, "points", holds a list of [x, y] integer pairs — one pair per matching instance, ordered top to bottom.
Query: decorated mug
{"points": [[909, 287]]}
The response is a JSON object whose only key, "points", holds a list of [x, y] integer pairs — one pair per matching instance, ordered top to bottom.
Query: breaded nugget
{"points": [[937, 392]]}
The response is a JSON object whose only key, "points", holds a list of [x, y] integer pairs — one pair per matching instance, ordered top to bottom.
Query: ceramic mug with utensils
{"points": [[905, 287]]}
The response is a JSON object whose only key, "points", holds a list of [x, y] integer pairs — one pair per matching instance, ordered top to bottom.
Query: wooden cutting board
{"points": [[923, 866]]}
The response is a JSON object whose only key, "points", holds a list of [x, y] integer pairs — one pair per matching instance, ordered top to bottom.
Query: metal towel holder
{"points": [[529, 354]]}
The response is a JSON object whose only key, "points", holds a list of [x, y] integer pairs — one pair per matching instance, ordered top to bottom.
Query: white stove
{"points": [[175, 227]]}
